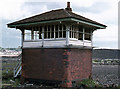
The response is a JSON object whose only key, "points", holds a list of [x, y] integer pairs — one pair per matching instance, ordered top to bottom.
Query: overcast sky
{"points": [[103, 11]]}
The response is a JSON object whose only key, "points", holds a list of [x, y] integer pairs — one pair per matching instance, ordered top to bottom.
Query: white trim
{"points": [[54, 30], [47, 31], [50, 31], [67, 34]]}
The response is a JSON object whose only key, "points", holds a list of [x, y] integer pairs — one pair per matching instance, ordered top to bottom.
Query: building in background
{"points": [[56, 47]]}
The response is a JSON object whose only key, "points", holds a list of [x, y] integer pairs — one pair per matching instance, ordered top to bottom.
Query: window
{"points": [[54, 31], [60, 31], [64, 31], [40, 32], [45, 32], [49, 32], [77, 32], [87, 34], [27, 35], [36, 35], [80, 37]]}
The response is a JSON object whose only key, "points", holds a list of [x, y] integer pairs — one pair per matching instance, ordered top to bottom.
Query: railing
{"points": [[17, 69]]}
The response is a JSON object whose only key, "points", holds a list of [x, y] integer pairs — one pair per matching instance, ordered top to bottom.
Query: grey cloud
{"points": [[36, 7], [95, 8], [9, 36], [108, 44]]}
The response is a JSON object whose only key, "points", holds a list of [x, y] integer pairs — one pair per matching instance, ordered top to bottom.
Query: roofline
{"points": [[64, 19]]}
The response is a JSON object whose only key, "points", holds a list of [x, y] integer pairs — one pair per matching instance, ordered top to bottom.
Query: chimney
{"points": [[68, 7]]}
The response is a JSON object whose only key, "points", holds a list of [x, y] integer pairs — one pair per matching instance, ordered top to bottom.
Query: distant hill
{"points": [[106, 53]]}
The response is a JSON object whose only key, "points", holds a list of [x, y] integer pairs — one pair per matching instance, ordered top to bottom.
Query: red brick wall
{"points": [[79, 63], [43, 64], [57, 64]]}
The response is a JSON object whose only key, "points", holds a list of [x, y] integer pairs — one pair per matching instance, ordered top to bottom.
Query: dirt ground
{"points": [[105, 74]]}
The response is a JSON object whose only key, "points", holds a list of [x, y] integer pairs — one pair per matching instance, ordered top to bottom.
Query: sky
{"points": [[103, 11]]}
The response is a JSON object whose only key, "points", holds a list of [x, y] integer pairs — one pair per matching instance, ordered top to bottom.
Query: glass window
{"points": [[56, 31], [60, 31], [64, 31], [40, 32], [45, 32], [48, 32], [52, 33], [87, 34], [27, 35], [36, 35], [80, 36], [87, 37]]}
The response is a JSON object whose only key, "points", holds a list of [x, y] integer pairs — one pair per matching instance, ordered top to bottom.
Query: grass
{"points": [[7, 74], [88, 83]]}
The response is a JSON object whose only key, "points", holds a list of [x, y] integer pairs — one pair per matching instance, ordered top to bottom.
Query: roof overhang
{"points": [[57, 20]]}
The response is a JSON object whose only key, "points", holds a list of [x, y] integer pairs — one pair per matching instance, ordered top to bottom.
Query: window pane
{"points": [[60, 27], [64, 28], [45, 29], [80, 29], [87, 30], [52, 31], [56, 31], [40, 33], [49, 34], [60, 34], [64, 34], [70, 34], [27, 35], [36, 35], [76, 35], [80, 36], [87, 37]]}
